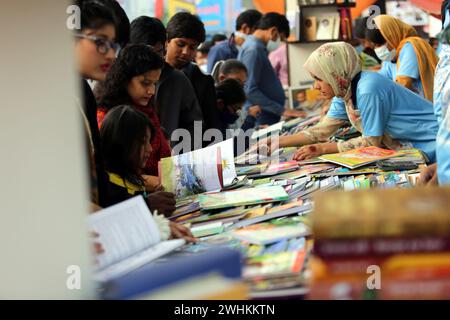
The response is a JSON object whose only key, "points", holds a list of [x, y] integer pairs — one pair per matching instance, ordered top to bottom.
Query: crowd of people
{"points": [[142, 93]]}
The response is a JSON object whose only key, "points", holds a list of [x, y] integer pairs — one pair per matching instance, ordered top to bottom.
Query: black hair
{"points": [[95, 14], [249, 17], [273, 19], [121, 20], [186, 25], [361, 27], [147, 30], [375, 36], [218, 37], [205, 47], [133, 60], [232, 66], [230, 91], [122, 133]]}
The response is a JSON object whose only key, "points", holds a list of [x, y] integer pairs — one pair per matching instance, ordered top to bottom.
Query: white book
{"points": [[129, 237]]}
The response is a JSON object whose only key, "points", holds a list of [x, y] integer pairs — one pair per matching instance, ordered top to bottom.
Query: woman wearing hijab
{"points": [[407, 59], [386, 114]]}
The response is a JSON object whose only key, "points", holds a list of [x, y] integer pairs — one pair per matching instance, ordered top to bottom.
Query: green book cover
{"points": [[242, 197]]}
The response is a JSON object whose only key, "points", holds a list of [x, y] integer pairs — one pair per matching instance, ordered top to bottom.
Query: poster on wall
{"points": [[175, 6], [407, 12], [213, 14]]}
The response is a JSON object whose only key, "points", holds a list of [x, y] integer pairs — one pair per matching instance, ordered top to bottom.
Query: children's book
{"points": [[360, 157], [275, 169], [199, 171], [242, 197], [296, 207], [267, 233], [130, 238]]}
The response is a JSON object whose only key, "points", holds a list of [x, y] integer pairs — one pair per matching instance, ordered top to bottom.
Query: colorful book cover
{"points": [[360, 157], [199, 171], [242, 197], [266, 233]]}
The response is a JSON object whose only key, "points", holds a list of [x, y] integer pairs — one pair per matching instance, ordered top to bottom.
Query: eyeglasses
{"points": [[103, 46]]}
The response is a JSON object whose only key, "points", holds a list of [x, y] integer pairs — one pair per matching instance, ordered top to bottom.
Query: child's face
{"points": [[181, 51], [91, 63], [141, 88], [145, 150]]}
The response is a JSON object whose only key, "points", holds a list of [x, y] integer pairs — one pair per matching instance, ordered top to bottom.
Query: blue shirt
{"points": [[224, 50], [409, 67], [263, 87], [441, 100], [387, 107]]}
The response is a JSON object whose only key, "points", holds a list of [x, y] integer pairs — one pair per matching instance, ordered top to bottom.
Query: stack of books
{"points": [[382, 244]]}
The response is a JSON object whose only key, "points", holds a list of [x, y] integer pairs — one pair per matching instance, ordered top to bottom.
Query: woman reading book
{"points": [[132, 81], [385, 113], [126, 136]]}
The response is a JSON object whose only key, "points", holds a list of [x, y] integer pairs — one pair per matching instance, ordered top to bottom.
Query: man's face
{"points": [[181, 51]]}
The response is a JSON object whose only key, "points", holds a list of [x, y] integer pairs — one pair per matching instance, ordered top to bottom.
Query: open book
{"points": [[359, 157], [208, 169], [130, 238]]}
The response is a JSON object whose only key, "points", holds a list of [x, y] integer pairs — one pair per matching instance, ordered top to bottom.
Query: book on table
{"points": [[359, 157], [204, 170], [242, 197]]}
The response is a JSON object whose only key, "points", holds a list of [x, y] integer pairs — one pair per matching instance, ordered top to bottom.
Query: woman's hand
{"points": [[292, 113], [308, 152], [428, 176], [178, 231]]}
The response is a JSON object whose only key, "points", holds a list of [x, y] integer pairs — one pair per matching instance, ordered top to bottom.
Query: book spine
{"points": [[350, 248]]}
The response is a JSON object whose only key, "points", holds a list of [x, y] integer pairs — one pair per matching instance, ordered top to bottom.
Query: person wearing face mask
{"points": [[229, 49], [407, 59], [263, 87], [385, 113], [439, 172]]}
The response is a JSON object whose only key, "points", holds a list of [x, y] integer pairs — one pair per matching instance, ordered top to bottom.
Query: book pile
{"points": [[382, 244], [275, 255]]}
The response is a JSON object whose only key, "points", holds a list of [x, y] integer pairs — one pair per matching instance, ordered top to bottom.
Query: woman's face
{"points": [[91, 63], [142, 88], [326, 91], [145, 150]]}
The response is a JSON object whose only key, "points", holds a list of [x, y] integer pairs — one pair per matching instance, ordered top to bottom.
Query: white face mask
{"points": [[240, 35], [273, 45], [384, 54]]}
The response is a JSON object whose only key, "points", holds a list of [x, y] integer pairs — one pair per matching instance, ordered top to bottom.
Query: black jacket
{"points": [[206, 94], [176, 102]]}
